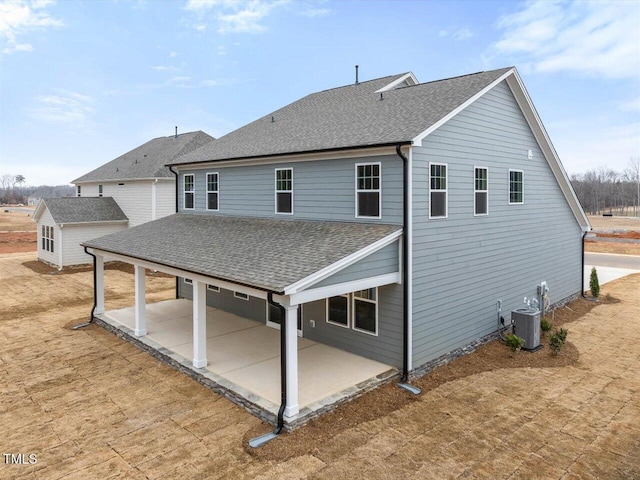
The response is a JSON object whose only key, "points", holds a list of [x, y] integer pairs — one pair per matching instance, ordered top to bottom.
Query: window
{"points": [[516, 186], [99, 190], [284, 190], [368, 190], [437, 190], [78, 191], [212, 191], [481, 191], [189, 192], [47, 239], [188, 281], [213, 288], [242, 296], [338, 310], [365, 311]]}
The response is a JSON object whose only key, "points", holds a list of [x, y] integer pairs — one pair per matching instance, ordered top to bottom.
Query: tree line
{"points": [[604, 190], [13, 191]]}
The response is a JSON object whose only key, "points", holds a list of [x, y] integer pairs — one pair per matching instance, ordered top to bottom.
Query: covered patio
{"points": [[243, 356]]}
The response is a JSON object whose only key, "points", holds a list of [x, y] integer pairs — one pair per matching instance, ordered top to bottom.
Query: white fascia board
{"points": [[408, 76], [418, 139], [544, 142], [302, 157], [114, 180], [37, 213], [107, 222], [342, 263], [343, 288], [254, 292]]}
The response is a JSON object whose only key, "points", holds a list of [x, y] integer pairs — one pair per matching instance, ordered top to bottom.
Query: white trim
{"points": [[410, 77], [418, 139], [108, 180], [509, 183], [206, 185], [379, 189], [446, 190], [184, 191], [276, 191], [480, 191], [154, 202], [73, 224], [61, 249], [341, 264], [99, 286], [213, 288], [344, 288], [241, 295], [140, 304], [199, 305], [326, 308], [353, 310], [290, 323], [276, 325]]}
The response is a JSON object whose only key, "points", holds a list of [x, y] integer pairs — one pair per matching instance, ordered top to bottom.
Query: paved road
{"points": [[612, 260]]}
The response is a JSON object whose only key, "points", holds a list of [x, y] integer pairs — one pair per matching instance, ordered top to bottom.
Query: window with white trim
{"points": [[189, 187], [516, 187], [78, 190], [99, 190], [284, 190], [368, 190], [437, 190], [212, 191], [481, 191], [47, 239], [188, 281], [213, 288], [241, 296], [338, 310], [365, 311]]}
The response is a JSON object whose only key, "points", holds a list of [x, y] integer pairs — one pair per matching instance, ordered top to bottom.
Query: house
{"points": [[138, 183], [49, 192], [65, 223], [387, 224]]}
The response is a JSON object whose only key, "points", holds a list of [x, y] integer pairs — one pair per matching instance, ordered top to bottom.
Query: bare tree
{"points": [[632, 174]]}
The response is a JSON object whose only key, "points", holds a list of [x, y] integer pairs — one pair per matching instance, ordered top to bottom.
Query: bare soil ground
{"points": [[16, 221], [599, 222], [17, 232], [611, 247], [90, 405]]}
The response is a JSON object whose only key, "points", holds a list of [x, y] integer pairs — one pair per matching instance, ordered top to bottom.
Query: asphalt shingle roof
{"points": [[350, 116], [148, 160], [84, 209], [265, 253]]}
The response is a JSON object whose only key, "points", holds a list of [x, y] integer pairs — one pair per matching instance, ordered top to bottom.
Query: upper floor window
{"points": [[516, 186], [99, 190], [284, 190], [368, 190], [437, 190], [79, 191], [189, 191], [212, 191], [481, 191]]}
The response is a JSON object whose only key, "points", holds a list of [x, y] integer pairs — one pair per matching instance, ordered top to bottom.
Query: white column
{"points": [[99, 284], [141, 321], [199, 324], [291, 324]]}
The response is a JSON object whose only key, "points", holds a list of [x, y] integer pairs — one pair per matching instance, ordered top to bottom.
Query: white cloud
{"points": [[316, 12], [234, 16], [19, 17], [462, 34], [594, 38], [164, 68], [630, 105], [64, 107]]}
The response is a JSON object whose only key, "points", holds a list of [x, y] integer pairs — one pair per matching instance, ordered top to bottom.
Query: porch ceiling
{"points": [[268, 254]]}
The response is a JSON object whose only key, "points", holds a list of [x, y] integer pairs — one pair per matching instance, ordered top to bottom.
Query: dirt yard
{"points": [[598, 222], [17, 232], [90, 405]]}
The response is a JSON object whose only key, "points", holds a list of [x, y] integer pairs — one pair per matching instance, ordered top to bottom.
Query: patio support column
{"points": [[99, 284], [199, 324], [291, 324], [140, 328]]}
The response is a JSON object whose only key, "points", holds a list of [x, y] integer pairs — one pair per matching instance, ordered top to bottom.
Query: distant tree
{"points": [[632, 174], [20, 180]]}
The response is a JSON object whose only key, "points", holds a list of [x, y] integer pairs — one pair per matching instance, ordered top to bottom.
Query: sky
{"points": [[83, 82]]}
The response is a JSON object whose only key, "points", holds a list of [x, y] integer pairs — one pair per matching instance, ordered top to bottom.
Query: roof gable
{"points": [[148, 160], [81, 210]]}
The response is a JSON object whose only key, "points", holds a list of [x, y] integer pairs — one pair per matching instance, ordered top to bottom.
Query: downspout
{"points": [[176, 196], [405, 275], [95, 292], [262, 439]]}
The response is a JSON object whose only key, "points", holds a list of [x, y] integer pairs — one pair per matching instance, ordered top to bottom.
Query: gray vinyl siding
{"points": [[322, 189], [384, 261], [464, 264], [254, 308], [385, 348]]}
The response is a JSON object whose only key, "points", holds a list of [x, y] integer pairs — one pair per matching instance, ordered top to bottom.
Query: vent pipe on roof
{"points": [[357, 75], [176, 132]]}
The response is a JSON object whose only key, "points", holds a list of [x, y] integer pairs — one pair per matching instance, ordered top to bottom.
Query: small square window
{"points": [[188, 281], [213, 288], [241, 296]]}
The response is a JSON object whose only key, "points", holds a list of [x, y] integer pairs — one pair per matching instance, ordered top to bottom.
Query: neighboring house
{"points": [[139, 180], [50, 192], [392, 219], [65, 223]]}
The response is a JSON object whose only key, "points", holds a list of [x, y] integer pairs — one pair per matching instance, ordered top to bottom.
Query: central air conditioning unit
{"points": [[526, 325]]}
